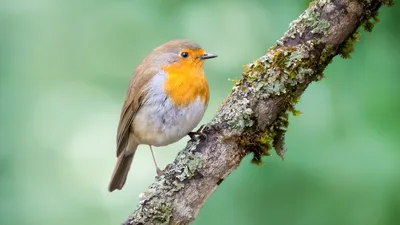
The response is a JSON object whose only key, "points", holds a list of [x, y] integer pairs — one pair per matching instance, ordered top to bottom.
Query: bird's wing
{"points": [[135, 97]]}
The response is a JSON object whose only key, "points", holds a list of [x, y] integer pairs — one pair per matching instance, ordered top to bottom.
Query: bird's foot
{"points": [[198, 132], [159, 172]]}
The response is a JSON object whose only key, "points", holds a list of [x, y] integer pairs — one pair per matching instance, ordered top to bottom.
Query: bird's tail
{"points": [[121, 171]]}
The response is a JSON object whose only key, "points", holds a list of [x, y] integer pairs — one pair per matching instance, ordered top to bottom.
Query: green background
{"points": [[64, 70]]}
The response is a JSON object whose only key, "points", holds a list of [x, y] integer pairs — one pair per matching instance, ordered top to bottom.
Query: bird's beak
{"points": [[208, 56]]}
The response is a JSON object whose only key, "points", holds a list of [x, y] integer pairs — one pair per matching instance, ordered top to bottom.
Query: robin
{"points": [[166, 99]]}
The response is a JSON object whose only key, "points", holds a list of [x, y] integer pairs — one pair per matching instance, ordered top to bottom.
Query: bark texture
{"points": [[254, 117]]}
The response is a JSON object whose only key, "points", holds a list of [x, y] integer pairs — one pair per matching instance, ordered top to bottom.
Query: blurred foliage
{"points": [[64, 70]]}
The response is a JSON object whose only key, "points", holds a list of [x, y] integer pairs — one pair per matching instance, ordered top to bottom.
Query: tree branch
{"points": [[255, 115]]}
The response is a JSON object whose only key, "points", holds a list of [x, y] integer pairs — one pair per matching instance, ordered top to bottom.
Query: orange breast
{"points": [[186, 82]]}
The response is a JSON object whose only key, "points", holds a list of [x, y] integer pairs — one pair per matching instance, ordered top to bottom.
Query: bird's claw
{"points": [[198, 132], [159, 172]]}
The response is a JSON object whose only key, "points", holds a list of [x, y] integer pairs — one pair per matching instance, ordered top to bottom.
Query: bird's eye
{"points": [[184, 55]]}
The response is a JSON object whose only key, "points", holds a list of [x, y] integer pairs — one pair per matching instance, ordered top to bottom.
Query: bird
{"points": [[167, 97]]}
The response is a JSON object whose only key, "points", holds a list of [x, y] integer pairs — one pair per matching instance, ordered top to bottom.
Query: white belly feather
{"points": [[158, 122]]}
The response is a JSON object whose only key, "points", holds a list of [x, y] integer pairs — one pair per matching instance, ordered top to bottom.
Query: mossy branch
{"points": [[254, 117]]}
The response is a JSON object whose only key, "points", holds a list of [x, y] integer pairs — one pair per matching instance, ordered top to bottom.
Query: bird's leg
{"points": [[192, 134], [159, 172]]}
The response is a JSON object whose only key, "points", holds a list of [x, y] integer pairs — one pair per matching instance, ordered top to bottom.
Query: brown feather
{"points": [[134, 99], [120, 172]]}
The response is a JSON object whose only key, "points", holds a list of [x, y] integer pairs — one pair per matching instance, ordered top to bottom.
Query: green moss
{"points": [[388, 2], [367, 3], [369, 23], [347, 47], [326, 55], [278, 59], [293, 100], [279, 128], [266, 139], [259, 145], [166, 209]]}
